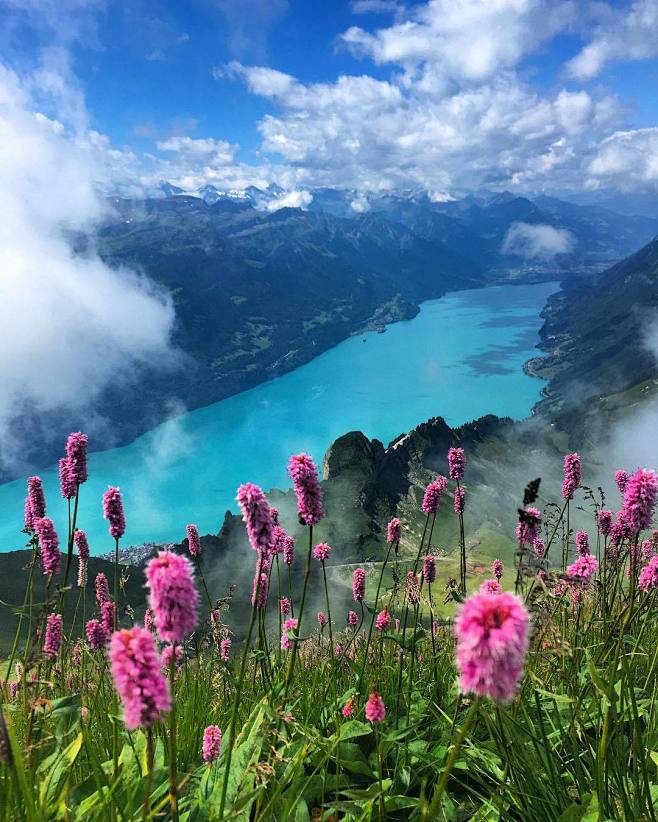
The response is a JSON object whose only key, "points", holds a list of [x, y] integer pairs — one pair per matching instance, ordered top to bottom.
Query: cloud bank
{"points": [[537, 241], [71, 325]]}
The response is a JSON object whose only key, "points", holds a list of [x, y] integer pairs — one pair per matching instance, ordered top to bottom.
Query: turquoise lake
{"points": [[460, 357]]}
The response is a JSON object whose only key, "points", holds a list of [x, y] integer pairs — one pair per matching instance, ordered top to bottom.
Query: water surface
{"points": [[460, 357]]}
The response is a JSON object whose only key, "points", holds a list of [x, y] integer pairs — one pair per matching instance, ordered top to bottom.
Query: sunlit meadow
{"points": [[530, 697]]}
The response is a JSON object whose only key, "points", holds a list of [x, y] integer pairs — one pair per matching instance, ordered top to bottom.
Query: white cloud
{"points": [[624, 33], [470, 39], [369, 134], [206, 151], [626, 159], [292, 199], [360, 204], [537, 241], [71, 325]]}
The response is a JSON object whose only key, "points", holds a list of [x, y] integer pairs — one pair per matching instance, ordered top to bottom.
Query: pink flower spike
{"points": [[76, 454], [456, 463], [572, 474], [304, 476], [621, 479], [67, 483], [433, 494], [36, 496], [460, 500], [640, 500], [113, 512], [257, 516], [604, 520], [528, 527], [394, 531], [193, 541], [582, 542], [48, 544], [81, 544], [288, 550], [321, 552], [497, 568], [583, 568], [429, 569], [649, 576], [359, 585], [490, 586], [102, 589], [173, 597], [284, 606], [352, 618], [322, 619], [383, 620], [96, 636], [53, 640], [286, 641], [492, 642], [225, 650], [137, 678], [348, 708], [375, 708], [212, 742]]}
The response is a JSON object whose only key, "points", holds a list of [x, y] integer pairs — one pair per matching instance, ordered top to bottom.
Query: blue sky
{"points": [[442, 94]]}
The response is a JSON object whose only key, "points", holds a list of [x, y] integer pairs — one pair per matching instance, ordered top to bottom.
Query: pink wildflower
{"points": [[76, 455], [456, 463], [303, 473], [572, 474], [621, 479], [66, 481], [433, 494], [36, 497], [640, 499], [460, 500], [113, 512], [256, 515], [29, 519], [604, 519], [527, 529], [394, 531], [278, 538], [193, 541], [582, 542], [48, 544], [81, 544], [539, 547], [648, 549], [288, 550], [321, 551], [497, 568], [583, 568], [429, 569], [82, 573], [649, 576], [359, 584], [490, 586], [260, 588], [102, 589], [173, 597], [284, 606], [107, 616], [322, 618], [352, 618], [383, 620], [149, 622], [397, 624], [96, 636], [53, 641], [286, 641], [492, 642], [225, 649], [169, 652], [76, 653], [136, 672], [348, 708], [375, 708], [212, 743]]}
